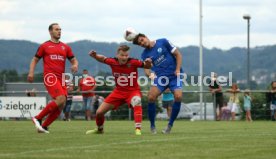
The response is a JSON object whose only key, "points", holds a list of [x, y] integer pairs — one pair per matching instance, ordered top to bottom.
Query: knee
{"points": [[152, 98], [178, 98], [61, 100], [136, 101], [99, 113]]}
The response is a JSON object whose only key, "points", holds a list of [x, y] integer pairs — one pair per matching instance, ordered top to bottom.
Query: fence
{"points": [[190, 107]]}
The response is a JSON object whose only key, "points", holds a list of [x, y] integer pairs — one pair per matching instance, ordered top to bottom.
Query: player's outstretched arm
{"points": [[96, 56], [74, 62], [33, 63], [148, 63], [150, 74]]}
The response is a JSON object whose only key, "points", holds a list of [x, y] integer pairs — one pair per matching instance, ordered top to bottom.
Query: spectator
{"points": [[87, 86], [216, 89], [31, 93], [234, 100], [247, 100], [272, 100], [97, 101], [167, 101], [67, 108], [225, 111]]}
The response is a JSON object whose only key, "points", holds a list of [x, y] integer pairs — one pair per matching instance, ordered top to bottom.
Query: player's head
{"points": [[55, 31], [141, 40], [123, 54], [84, 72], [214, 76], [67, 77], [273, 85], [235, 86], [247, 92]]}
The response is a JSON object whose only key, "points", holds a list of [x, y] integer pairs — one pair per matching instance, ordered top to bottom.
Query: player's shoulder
{"points": [[162, 40], [46, 43], [64, 44], [131, 59], [111, 60], [134, 61]]}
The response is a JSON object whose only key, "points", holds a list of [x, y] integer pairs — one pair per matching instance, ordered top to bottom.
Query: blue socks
{"points": [[175, 110], [151, 114]]}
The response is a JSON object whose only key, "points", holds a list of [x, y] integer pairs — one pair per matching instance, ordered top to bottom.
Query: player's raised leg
{"points": [[104, 108]]}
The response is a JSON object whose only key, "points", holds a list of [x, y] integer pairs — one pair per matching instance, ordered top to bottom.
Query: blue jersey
{"points": [[164, 62]]}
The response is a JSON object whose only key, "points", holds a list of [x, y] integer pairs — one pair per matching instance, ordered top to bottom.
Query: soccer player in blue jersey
{"points": [[167, 61]]}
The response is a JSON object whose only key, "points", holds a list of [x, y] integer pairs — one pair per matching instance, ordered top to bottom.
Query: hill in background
{"points": [[16, 54]]}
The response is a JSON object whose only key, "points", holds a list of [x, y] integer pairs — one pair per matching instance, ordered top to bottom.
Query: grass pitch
{"points": [[199, 139]]}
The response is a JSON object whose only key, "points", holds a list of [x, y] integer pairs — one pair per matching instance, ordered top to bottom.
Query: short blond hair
{"points": [[123, 48]]}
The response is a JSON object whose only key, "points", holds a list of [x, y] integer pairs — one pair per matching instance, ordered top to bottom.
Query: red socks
{"points": [[47, 110], [52, 110], [138, 116], [51, 117], [100, 121]]}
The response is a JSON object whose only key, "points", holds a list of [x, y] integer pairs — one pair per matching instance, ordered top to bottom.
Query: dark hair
{"points": [[51, 26], [135, 40], [123, 48], [84, 70], [272, 82]]}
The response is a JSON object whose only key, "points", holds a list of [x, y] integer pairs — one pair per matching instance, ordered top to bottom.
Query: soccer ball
{"points": [[130, 34]]}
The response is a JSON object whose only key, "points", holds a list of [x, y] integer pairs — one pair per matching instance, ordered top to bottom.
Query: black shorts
{"points": [[219, 101], [166, 104]]}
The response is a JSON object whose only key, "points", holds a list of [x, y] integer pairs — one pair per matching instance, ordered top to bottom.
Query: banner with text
{"points": [[21, 106]]}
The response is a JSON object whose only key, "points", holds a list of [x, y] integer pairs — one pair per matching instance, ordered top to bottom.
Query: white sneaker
{"points": [[38, 126], [153, 130], [167, 130], [43, 131]]}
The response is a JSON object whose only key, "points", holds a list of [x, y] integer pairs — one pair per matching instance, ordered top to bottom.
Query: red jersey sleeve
{"points": [[40, 52], [69, 53], [109, 61], [137, 63]]}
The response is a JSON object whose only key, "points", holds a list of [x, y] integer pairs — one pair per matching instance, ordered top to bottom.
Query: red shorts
{"points": [[56, 89], [118, 97]]}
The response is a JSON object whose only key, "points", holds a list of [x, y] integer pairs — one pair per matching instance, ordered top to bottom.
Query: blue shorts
{"points": [[171, 82], [87, 103], [67, 107]]}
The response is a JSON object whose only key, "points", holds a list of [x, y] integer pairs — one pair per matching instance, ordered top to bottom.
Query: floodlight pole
{"points": [[247, 17], [200, 60]]}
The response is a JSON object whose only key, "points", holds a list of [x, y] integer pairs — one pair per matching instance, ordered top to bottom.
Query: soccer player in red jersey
{"points": [[54, 54], [127, 90]]}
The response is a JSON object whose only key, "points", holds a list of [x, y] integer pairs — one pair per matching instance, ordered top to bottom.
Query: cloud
{"points": [[105, 20]]}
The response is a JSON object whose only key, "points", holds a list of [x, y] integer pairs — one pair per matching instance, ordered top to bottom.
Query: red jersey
{"points": [[54, 56], [126, 75], [86, 84]]}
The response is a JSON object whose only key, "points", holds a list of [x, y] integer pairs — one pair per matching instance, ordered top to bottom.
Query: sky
{"points": [[176, 20]]}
